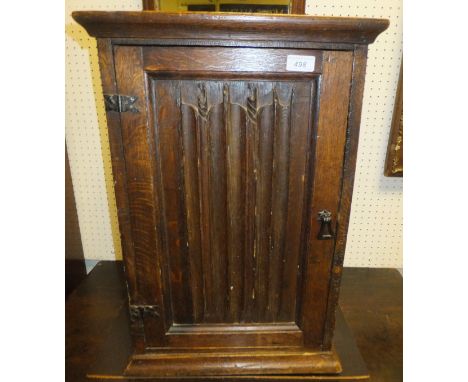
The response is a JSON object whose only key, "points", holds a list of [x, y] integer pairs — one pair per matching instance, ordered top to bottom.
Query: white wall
{"points": [[86, 135], [376, 227], [375, 233]]}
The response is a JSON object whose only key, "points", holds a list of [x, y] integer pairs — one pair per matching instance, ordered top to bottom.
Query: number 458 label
{"points": [[297, 63]]}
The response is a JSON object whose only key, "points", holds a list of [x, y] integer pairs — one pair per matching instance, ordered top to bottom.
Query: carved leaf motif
{"points": [[202, 102], [252, 104]]}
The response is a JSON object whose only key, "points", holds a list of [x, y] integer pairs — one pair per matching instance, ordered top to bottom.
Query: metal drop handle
{"points": [[325, 232]]}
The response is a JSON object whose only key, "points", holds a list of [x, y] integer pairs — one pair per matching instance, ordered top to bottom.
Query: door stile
{"points": [[330, 140], [147, 314]]}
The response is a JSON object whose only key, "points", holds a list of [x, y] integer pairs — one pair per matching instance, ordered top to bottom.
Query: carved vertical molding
{"points": [[251, 150], [254, 160], [204, 182], [190, 197], [217, 198], [279, 203]]}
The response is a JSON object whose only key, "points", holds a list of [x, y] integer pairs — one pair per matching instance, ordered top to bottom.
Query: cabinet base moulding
{"points": [[115, 361], [218, 363]]}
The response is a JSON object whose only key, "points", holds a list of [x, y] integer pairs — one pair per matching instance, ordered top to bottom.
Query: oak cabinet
{"points": [[233, 141]]}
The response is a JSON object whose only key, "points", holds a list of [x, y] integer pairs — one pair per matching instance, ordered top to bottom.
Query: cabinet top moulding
{"points": [[230, 26]]}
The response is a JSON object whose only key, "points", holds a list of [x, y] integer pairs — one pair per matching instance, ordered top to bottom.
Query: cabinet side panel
{"points": [[106, 65], [330, 140], [350, 156]]}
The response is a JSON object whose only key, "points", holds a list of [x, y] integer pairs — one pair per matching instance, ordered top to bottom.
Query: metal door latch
{"points": [[326, 232]]}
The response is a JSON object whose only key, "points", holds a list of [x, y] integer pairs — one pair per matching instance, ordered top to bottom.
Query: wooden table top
{"points": [[371, 301]]}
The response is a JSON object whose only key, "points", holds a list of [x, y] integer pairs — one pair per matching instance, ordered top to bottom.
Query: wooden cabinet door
{"points": [[229, 158]]}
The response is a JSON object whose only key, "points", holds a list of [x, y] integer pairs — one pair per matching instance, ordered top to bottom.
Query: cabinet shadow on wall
{"points": [[80, 37]]}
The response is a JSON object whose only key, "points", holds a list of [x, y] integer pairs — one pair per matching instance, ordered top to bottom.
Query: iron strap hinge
{"points": [[120, 103], [139, 312]]}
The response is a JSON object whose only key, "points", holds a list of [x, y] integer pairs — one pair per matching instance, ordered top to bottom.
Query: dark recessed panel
{"points": [[232, 159]]}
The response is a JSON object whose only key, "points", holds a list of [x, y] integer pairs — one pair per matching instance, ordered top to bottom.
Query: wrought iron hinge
{"points": [[120, 103], [139, 312]]}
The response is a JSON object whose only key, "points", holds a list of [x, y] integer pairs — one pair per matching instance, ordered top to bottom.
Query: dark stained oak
{"points": [[236, 26], [225, 61], [109, 86], [349, 167], [222, 168], [326, 188]]}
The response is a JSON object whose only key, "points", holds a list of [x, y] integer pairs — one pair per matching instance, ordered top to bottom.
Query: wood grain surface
{"points": [[234, 26]]}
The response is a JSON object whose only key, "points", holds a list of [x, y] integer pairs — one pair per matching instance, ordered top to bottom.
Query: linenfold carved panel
{"points": [[233, 142]]}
